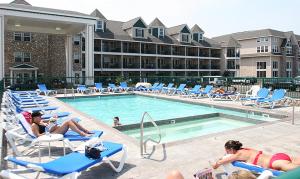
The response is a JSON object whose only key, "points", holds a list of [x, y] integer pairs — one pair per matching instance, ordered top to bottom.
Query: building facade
{"points": [[131, 48], [263, 53]]}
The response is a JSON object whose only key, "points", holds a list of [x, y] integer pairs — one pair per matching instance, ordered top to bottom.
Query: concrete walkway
{"points": [[190, 155]]}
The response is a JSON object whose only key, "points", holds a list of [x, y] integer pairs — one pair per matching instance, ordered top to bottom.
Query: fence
{"points": [[292, 85]]}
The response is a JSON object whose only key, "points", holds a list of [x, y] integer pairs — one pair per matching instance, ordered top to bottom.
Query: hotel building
{"points": [[43, 42], [261, 53]]}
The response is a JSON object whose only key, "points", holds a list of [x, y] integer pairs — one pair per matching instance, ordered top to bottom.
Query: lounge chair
{"points": [[124, 86], [98, 87], [112, 87], [150, 88], [158, 88], [43, 89], [82, 89], [166, 90], [179, 90], [206, 91], [191, 92], [252, 92], [261, 94], [232, 95], [277, 96], [24, 133], [70, 165], [255, 168]]}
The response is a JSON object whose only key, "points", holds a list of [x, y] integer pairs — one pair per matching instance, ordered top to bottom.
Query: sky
{"points": [[215, 17]]}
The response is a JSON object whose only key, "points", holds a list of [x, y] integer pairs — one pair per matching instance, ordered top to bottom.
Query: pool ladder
{"points": [[143, 143]]}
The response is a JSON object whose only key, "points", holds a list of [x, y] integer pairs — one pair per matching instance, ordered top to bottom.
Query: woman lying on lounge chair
{"points": [[39, 126], [279, 161]]}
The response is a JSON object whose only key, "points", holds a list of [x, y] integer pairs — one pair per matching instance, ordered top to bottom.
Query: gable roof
{"points": [[23, 2], [23, 5], [97, 13], [156, 23], [129, 24], [196, 28], [177, 29], [114, 31], [252, 34], [230, 42], [24, 66]]}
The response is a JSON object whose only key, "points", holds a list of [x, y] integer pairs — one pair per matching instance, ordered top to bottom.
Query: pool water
{"points": [[130, 108], [188, 129]]}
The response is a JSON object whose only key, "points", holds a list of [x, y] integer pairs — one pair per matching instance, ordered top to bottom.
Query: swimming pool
{"points": [[130, 108], [188, 129]]}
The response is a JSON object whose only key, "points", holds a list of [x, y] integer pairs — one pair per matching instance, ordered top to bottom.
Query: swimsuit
{"points": [[42, 128], [279, 156], [256, 157]]}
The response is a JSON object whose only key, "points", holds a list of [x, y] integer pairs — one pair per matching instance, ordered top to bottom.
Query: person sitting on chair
{"points": [[39, 126]]}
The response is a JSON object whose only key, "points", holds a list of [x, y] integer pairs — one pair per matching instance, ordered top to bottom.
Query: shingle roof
{"points": [[20, 2], [42, 9], [97, 13], [156, 23], [129, 24], [196, 28], [176, 29], [114, 31], [251, 34], [297, 37], [230, 42]]}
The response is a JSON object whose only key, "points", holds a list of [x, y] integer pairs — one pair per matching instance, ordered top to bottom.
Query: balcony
{"points": [[111, 65], [131, 65], [148, 66], [179, 66]]}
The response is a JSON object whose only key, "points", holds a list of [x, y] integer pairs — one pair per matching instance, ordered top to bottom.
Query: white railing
{"points": [[143, 144]]}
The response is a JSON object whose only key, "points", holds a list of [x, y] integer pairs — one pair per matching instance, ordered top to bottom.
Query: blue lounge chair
{"points": [[124, 86], [99, 87], [112, 87], [150, 88], [158, 88], [43, 89], [82, 89], [166, 90], [179, 90], [206, 91], [191, 92], [261, 94], [277, 96], [35, 109], [58, 114], [15, 135], [71, 164], [255, 168]]}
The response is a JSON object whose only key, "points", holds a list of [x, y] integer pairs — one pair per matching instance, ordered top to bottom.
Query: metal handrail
{"points": [[142, 142]]}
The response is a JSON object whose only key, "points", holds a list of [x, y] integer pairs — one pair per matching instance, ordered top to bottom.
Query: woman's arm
{"points": [[35, 130], [225, 160]]}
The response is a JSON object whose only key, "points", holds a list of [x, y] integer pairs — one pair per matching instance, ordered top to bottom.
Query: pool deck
{"points": [[189, 155]]}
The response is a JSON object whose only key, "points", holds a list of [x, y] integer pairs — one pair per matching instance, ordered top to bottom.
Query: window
{"points": [[99, 25], [161, 32], [139, 33], [18, 36], [27, 36], [200, 36], [185, 37], [258, 39], [263, 39], [266, 39], [275, 39], [76, 40], [288, 43], [266, 48], [258, 49], [262, 49], [275, 49], [288, 51], [18, 56], [22, 57], [26, 57], [76, 57], [261, 65], [275, 65], [288, 65], [274, 73], [288, 73], [261, 74]]}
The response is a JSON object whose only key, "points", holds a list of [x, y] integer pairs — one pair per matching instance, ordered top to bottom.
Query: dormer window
{"points": [[99, 25], [161, 32], [139, 33], [197, 36], [200, 36], [185, 37], [288, 43]]}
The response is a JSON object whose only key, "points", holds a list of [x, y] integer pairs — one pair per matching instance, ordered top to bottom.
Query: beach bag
{"points": [[92, 152], [206, 173]]}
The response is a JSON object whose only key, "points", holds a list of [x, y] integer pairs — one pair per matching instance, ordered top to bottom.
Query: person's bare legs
{"points": [[65, 127], [80, 127], [174, 175]]}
